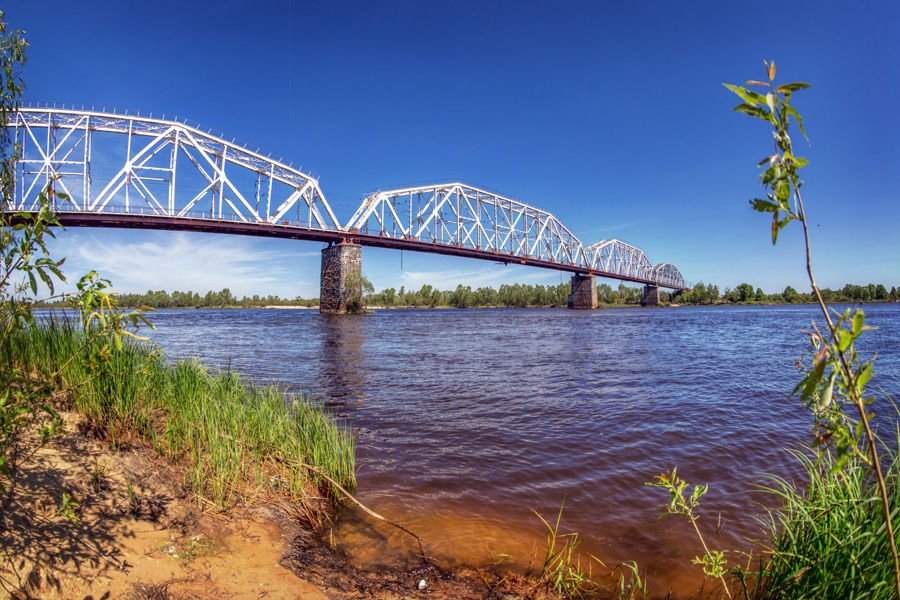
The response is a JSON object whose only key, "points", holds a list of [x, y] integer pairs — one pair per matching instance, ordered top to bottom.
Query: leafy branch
{"points": [[836, 367], [25, 391], [713, 562]]}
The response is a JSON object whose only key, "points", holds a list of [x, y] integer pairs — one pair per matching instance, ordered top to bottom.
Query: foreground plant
{"points": [[838, 377], [25, 398], [236, 440], [828, 537], [712, 561], [563, 573]]}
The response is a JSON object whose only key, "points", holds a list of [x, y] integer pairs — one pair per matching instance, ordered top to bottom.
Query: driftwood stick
{"points": [[371, 512]]}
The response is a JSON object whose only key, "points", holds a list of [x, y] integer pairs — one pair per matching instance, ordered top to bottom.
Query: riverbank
{"points": [[169, 481], [139, 533]]}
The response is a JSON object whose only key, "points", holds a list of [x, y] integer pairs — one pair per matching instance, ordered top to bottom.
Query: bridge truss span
{"points": [[124, 163], [460, 216], [469, 221], [615, 256], [667, 275]]}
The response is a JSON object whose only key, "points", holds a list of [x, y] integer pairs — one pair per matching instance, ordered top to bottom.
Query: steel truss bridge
{"points": [[149, 171]]}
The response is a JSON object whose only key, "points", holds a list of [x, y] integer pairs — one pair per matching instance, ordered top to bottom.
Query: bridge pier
{"points": [[340, 288], [583, 292], [651, 296]]}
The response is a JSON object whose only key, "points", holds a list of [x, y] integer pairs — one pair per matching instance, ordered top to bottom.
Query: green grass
{"points": [[237, 440], [829, 537], [563, 573]]}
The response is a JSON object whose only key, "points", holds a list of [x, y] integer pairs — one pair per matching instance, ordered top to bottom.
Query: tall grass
{"points": [[235, 439], [829, 537], [563, 573]]}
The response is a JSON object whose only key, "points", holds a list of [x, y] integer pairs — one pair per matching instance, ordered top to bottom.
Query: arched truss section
{"points": [[146, 165], [462, 216], [621, 259], [667, 275]]}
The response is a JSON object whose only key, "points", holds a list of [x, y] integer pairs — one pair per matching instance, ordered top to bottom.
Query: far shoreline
{"points": [[599, 307]]}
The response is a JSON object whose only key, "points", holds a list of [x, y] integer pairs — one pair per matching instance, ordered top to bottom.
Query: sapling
{"points": [[838, 376], [713, 561]]}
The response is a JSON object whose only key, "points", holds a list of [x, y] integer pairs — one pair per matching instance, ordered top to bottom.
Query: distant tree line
{"points": [[745, 294], [508, 296], [511, 296], [224, 298]]}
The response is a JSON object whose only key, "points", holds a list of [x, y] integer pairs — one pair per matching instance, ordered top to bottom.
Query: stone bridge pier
{"points": [[341, 281], [583, 292], [651, 296]]}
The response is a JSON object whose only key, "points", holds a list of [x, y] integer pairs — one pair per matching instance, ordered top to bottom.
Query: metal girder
{"points": [[132, 164], [458, 215], [463, 216], [615, 256], [667, 275]]}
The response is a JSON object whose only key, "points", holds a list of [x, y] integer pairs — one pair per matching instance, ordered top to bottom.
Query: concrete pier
{"points": [[341, 282], [584, 292], [651, 296]]}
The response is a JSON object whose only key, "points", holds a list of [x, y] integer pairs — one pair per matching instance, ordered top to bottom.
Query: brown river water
{"points": [[468, 422]]}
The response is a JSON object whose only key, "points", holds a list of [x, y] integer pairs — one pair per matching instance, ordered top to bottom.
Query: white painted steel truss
{"points": [[129, 164], [157, 166], [462, 216], [667, 275]]}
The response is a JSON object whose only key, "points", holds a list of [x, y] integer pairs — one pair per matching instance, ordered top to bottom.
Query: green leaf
{"points": [[792, 87], [747, 96], [772, 101], [790, 110], [753, 111], [782, 189], [761, 205], [777, 225], [46, 279], [858, 322], [844, 339], [865, 374], [808, 384], [825, 399]]}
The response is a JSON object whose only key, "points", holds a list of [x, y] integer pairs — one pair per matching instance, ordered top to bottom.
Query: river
{"points": [[469, 421]]}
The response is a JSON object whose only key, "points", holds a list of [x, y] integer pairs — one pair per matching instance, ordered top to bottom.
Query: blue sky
{"points": [[610, 115]]}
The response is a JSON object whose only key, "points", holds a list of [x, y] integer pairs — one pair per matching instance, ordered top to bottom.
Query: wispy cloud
{"points": [[618, 227], [180, 261], [481, 277]]}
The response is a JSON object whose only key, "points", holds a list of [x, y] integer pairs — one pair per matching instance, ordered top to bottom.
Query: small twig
{"points": [[372, 513], [119, 566], [488, 585]]}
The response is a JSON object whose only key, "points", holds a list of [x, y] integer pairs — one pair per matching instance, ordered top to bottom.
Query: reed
{"points": [[236, 439], [829, 537], [562, 571], [566, 576]]}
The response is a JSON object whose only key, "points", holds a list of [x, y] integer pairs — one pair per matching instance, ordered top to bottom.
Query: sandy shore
{"points": [[141, 534]]}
